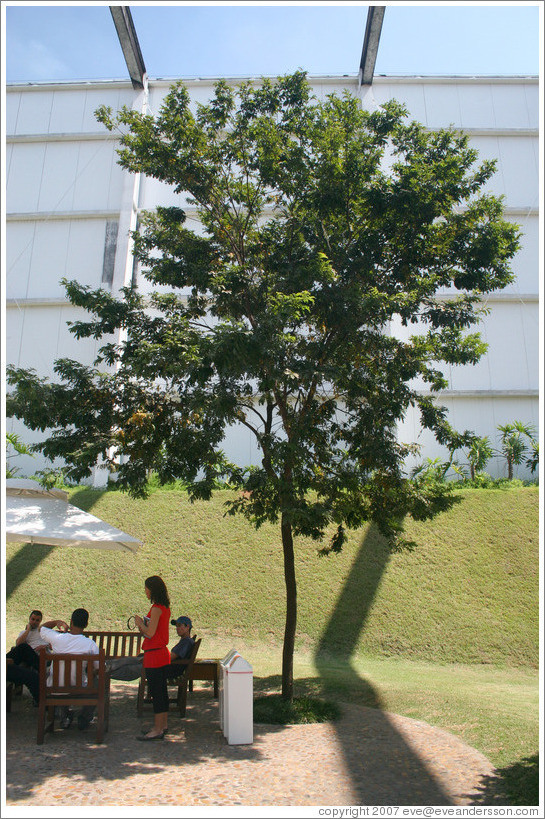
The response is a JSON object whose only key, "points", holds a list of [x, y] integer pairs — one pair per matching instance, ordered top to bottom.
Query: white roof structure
{"points": [[38, 515]]}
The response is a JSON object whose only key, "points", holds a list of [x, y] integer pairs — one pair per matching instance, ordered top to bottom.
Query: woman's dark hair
{"points": [[158, 590]]}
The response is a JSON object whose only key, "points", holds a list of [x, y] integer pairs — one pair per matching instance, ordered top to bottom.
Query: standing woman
{"points": [[156, 654]]}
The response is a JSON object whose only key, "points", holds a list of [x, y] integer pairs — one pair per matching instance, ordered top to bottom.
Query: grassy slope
{"points": [[467, 596]]}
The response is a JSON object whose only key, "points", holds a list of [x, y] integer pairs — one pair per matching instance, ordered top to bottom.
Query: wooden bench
{"points": [[117, 643], [128, 644], [186, 667], [205, 670], [75, 680]]}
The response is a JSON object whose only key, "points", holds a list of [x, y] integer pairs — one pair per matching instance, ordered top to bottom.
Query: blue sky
{"points": [[209, 39]]}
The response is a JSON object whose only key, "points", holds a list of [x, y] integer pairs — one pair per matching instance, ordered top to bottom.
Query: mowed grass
{"points": [[447, 633]]}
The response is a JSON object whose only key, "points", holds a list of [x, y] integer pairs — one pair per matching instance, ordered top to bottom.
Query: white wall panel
{"points": [[531, 94], [412, 96], [115, 98], [13, 102], [466, 104], [442, 106], [476, 106], [510, 107], [34, 111], [67, 111], [489, 148], [9, 154], [520, 171], [59, 173], [24, 178], [98, 180], [154, 193], [19, 243], [85, 253], [38, 254], [48, 260], [526, 262], [512, 332], [39, 335], [480, 415], [483, 415], [240, 446]]}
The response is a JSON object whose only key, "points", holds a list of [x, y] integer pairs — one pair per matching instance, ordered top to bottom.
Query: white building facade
{"points": [[70, 208]]}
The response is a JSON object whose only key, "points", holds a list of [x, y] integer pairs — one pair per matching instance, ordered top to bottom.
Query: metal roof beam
{"points": [[375, 16], [126, 32]]}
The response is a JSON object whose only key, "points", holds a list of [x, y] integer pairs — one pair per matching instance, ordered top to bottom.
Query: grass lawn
{"points": [[447, 633]]}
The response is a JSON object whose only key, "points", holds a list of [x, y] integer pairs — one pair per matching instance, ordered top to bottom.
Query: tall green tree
{"points": [[322, 226]]}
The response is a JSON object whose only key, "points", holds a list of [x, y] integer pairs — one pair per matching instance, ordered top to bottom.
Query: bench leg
{"points": [[141, 695], [182, 697], [107, 706], [41, 723]]}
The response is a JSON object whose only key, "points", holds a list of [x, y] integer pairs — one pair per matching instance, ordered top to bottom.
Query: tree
{"points": [[321, 224], [513, 444], [19, 447], [515, 448], [478, 455]]}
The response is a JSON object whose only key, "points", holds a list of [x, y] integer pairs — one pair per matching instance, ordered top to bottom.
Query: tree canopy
{"points": [[320, 227]]}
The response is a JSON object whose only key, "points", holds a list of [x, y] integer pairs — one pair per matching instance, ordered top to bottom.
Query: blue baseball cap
{"points": [[182, 621]]}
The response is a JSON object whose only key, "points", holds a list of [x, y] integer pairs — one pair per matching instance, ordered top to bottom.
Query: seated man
{"points": [[29, 641], [72, 641], [183, 648], [130, 668]]}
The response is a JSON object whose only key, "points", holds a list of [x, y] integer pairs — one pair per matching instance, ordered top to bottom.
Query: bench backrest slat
{"points": [[117, 643], [71, 673]]}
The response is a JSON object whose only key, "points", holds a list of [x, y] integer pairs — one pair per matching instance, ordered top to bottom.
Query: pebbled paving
{"points": [[368, 757]]}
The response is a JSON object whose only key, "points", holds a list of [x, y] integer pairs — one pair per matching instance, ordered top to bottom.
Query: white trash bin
{"points": [[223, 683], [236, 699]]}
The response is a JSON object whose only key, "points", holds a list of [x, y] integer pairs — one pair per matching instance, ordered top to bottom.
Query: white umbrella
{"points": [[38, 515]]}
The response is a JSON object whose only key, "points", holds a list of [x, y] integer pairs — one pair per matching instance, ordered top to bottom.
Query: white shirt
{"points": [[34, 638], [67, 643]]}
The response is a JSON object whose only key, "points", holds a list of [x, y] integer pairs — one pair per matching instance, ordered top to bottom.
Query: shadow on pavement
{"points": [[68, 759], [390, 773]]}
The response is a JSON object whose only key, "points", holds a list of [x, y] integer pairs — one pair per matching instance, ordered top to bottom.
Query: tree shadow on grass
{"points": [[514, 785]]}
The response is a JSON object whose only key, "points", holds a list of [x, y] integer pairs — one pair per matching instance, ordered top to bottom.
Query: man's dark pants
{"points": [[24, 654], [19, 675]]}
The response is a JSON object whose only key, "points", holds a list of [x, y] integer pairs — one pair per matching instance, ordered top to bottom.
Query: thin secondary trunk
{"points": [[291, 609]]}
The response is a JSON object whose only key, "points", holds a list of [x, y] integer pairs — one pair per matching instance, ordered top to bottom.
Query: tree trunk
{"points": [[291, 609]]}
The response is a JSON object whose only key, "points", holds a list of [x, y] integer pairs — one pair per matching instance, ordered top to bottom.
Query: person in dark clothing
{"points": [[28, 642], [183, 648], [130, 668], [20, 675]]}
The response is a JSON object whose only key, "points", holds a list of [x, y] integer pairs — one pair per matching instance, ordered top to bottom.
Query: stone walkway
{"points": [[368, 757]]}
